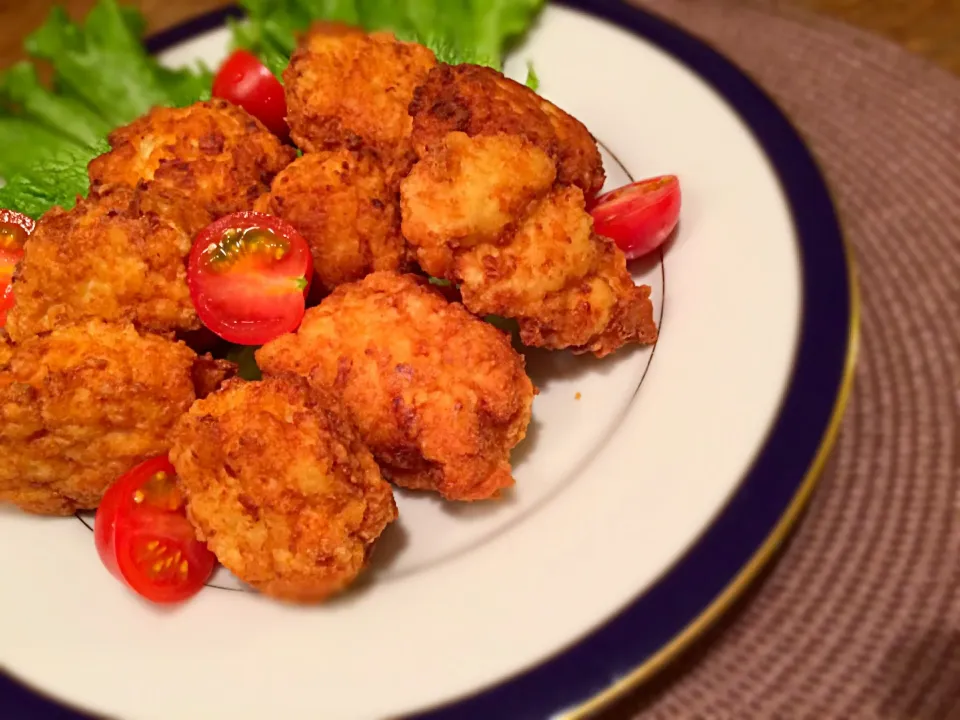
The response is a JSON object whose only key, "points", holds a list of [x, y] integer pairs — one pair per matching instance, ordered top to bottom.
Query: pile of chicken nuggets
{"points": [[408, 167]]}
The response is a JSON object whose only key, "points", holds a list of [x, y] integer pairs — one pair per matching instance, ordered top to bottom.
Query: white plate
{"points": [[636, 505]]}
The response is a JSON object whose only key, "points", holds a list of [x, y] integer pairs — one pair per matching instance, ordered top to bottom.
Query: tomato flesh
{"points": [[245, 81], [639, 217], [15, 228], [249, 275], [144, 538]]}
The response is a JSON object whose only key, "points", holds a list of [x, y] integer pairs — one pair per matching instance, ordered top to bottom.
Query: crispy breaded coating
{"points": [[348, 89], [481, 101], [579, 162], [197, 163], [469, 191], [340, 202], [480, 211], [106, 258], [566, 286], [6, 350], [210, 373], [440, 396], [81, 406], [280, 487]]}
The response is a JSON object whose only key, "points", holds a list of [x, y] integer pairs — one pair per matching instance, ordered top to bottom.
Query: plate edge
{"points": [[770, 547]]}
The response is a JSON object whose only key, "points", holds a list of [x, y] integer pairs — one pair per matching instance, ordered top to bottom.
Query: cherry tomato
{"points": [[245, 81], [639, 217], [15, 228], [249, 275], [144, 538]]}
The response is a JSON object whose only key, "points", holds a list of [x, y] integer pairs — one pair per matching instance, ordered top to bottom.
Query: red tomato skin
{"points": [[245, 81], [639, 217], [16, 227], [275, 314], [117, 495], [120, 520], [104, 531], [176, 532]]}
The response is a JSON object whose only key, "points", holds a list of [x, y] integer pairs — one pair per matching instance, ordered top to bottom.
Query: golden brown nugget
{"points": [[347, 90], [481, 101], [579, 162], [197, 163], [469, 191], [340, 202], [484, 212], [106, 258], [566, 286], [6, 349], [210, 373], [440, 396], [81, 406], [281, 488]]}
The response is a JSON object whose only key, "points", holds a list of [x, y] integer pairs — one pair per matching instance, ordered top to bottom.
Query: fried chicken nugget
{"points": [[347, 89], [481, 101], [197, 163], [471, 192], [340, 202], [482, 211], [106, 258], [6, 349], [439, 396], [81, 406], [280, 487]]}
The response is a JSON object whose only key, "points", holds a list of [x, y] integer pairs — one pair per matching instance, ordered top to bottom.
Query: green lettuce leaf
{"points": [[272, 25], [497, 25], [458, 31], [104, 63], [103, 77], [533, 80], [22, 93], [25, 143], [55, 180], [245, 358]]}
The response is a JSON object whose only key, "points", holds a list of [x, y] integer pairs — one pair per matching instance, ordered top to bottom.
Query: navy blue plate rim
{"points": [[658, 625]]}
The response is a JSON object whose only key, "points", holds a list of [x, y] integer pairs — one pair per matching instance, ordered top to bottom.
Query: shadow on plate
{"points": [[646, 264], [546, 367], [528, 445], [481, 509], [461, 510], [388, 548], [386, 551]]}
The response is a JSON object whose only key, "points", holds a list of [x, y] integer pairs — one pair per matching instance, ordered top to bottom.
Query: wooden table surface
{"points": [[928, 27]]}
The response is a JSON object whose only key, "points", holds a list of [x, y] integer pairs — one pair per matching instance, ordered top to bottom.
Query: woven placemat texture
{"points": [[860, 616]]}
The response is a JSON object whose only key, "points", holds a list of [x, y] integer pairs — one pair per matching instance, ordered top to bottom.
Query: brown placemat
{"points": [[860, 616]]}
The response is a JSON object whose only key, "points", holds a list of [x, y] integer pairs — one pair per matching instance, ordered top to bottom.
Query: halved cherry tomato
{"points": [[245, 81], [639, 217], [15, 228], [249, 275], [144, 538]]}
